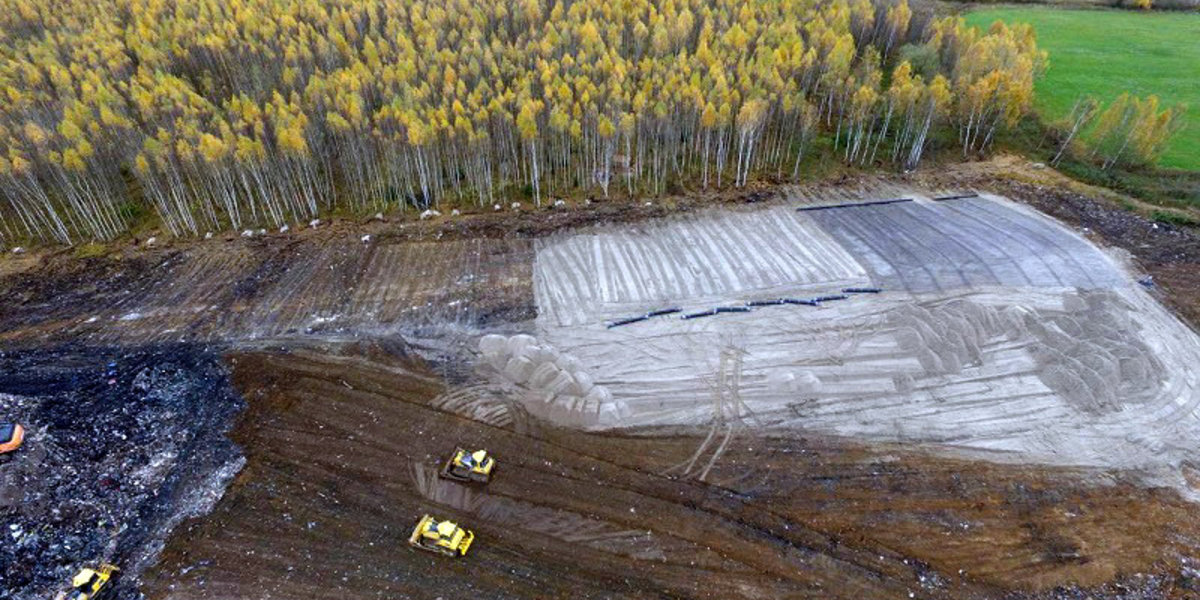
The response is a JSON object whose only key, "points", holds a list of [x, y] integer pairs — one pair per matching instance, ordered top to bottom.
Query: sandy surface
{"points": [[997, 331]]}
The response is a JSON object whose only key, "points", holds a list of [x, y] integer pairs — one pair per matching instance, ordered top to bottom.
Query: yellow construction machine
{"points": [[11, 437], [474, 466], [443, 537], [92, 583]]}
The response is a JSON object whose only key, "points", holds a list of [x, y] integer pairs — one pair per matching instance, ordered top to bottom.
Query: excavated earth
{"points": [[1012, 415]]}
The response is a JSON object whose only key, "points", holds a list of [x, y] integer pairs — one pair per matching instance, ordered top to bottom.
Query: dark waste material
{"points": [[957, 197], [854, 204], [862, 290], [831, 297], [802, 301], [697, 315], [111, 468]]}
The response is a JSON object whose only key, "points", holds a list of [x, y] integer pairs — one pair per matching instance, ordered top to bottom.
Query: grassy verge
{"points": [[1103, 53]]}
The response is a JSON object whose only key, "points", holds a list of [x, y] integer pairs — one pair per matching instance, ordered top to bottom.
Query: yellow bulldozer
{"points": [[474, 466], [442, 537], [92, 583]]}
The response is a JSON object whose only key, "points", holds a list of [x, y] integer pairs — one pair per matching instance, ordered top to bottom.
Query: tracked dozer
{"points": [[12, 436], [474, 466], [442, 537], [92, 583]]}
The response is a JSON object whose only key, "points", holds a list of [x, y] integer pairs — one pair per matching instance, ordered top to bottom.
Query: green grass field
{"points": [[1103, 53]]}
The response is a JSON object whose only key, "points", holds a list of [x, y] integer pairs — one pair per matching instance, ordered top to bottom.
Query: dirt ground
{"points": [[349, 356], [342, 444]]}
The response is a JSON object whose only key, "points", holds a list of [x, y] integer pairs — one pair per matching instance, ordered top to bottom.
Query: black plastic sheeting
{"points": [[957, 197], [855, 204], [803, 301], [774, 302], [746, 308], [663, 311], [654, 313], [629, 321]]}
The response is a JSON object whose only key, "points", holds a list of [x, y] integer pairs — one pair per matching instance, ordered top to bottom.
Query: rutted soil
{"points": [[346, 424], [342, 443]]}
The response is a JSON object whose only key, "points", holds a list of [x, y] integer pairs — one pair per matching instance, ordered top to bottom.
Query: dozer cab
{"points": [[11, 438], [474, 466], [443, 537], [92, 583]]}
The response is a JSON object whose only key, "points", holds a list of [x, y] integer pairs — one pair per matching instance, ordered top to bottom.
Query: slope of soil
{"points": [[342, 444]]}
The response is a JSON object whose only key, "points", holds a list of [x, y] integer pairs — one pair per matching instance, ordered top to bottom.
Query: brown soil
{"points": [[341, 440], [342, 443]]}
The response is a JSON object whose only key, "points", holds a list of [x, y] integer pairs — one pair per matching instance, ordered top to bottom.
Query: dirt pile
{"points": [[552, 383], [122, 447]]}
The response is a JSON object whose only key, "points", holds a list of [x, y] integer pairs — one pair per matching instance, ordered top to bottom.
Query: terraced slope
{"points": [[250, 290], [997, 332]]}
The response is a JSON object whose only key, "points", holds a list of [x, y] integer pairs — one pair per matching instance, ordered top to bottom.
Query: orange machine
{"points": [[11, 436]]}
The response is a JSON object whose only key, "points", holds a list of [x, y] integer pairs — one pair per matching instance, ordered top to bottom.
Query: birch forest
{"points": [[208, 115]]}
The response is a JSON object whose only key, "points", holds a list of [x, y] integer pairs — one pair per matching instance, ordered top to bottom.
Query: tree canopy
{"points": [[232, 113]]}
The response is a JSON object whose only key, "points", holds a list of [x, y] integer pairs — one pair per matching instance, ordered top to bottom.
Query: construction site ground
{"points": [[1011, 416]]}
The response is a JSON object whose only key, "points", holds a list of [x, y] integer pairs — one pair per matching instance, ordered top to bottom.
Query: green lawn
{"points": [[1103, 53]]}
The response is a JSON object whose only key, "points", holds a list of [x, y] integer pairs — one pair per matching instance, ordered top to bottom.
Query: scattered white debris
{"points": [[1039, 166], [560, 203], [649, 203], [516, 206], [496, 207], [430, 213], [455, 213], [378, 217], [314, 223], [284, 229], [262, 232], [248, 233], [208, 235], [366, 239], [152, 241], [18, 250]]}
